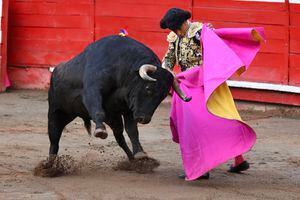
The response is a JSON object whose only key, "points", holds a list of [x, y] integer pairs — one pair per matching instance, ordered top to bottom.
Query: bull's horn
{"points": [[144, 69], [176, 87], [179, 92]]}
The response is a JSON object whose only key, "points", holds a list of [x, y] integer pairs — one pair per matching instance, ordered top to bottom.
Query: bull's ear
{"points": [[167, 73]]}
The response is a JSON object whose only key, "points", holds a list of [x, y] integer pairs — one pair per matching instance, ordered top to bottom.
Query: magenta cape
{"points": [[206, 139]]}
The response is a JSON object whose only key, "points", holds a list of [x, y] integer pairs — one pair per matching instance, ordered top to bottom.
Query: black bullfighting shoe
{"points": [[100, 133], [239, 168], [204, 176]]}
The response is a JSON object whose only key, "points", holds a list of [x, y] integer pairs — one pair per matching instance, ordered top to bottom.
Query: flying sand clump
{"points": [[55, 166]]}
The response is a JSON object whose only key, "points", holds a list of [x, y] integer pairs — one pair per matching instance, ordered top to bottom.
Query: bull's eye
{"points": [[148, 90]]}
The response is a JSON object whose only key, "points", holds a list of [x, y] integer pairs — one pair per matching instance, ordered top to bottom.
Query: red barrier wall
{"points": [[43, 34], [271, 64], [294, 67]]}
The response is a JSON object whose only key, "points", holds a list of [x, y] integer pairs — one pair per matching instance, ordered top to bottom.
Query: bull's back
{"points": [[108, 51], [120, 52]]}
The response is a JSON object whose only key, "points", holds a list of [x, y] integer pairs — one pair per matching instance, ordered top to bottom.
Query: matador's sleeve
{"points": [[169, 60]]}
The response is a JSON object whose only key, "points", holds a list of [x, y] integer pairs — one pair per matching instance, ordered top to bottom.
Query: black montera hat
{"points": [[174, 18]]}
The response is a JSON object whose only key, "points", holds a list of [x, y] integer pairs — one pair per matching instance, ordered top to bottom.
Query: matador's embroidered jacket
{"points": [[184, 51]]}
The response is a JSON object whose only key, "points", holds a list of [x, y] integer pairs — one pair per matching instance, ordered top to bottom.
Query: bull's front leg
{"points": [[92, 99], [116, 123], [133, 133]]}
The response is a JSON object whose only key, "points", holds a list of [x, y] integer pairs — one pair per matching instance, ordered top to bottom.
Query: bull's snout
{"points": [[143, 120]]}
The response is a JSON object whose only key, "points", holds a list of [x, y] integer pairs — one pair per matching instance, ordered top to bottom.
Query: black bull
{"points": [[115, 80]]}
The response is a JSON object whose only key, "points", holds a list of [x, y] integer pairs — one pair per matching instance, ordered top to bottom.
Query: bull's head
{"points": [[151, 90]]}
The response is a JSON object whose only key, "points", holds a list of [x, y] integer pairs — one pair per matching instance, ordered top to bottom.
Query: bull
{"points": [[115, 80]]}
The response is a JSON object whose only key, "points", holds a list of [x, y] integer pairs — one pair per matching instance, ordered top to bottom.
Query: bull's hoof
{"points": [[100, 133], [140, 155], [52, 158]]}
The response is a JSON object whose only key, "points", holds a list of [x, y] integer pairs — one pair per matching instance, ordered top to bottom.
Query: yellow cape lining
{"points": [[221, 103]]}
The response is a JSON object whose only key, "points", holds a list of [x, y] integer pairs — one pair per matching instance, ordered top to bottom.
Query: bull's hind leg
{"points": [[57, 121], [116, 125]]}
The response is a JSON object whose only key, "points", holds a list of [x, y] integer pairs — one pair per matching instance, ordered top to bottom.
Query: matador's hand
{"points": [[209, 25]]}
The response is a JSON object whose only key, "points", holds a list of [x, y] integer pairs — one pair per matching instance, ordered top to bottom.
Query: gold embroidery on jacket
{"points": [[184, 51]]}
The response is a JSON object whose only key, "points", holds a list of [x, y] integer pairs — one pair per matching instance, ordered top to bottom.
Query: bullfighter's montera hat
{"points": [[174, 18]]}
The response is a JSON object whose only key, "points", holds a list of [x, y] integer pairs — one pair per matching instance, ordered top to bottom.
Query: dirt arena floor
{"points": [[274, 173]]}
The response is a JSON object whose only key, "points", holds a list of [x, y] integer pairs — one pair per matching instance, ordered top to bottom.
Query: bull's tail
{"points": [[87, 125]]}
